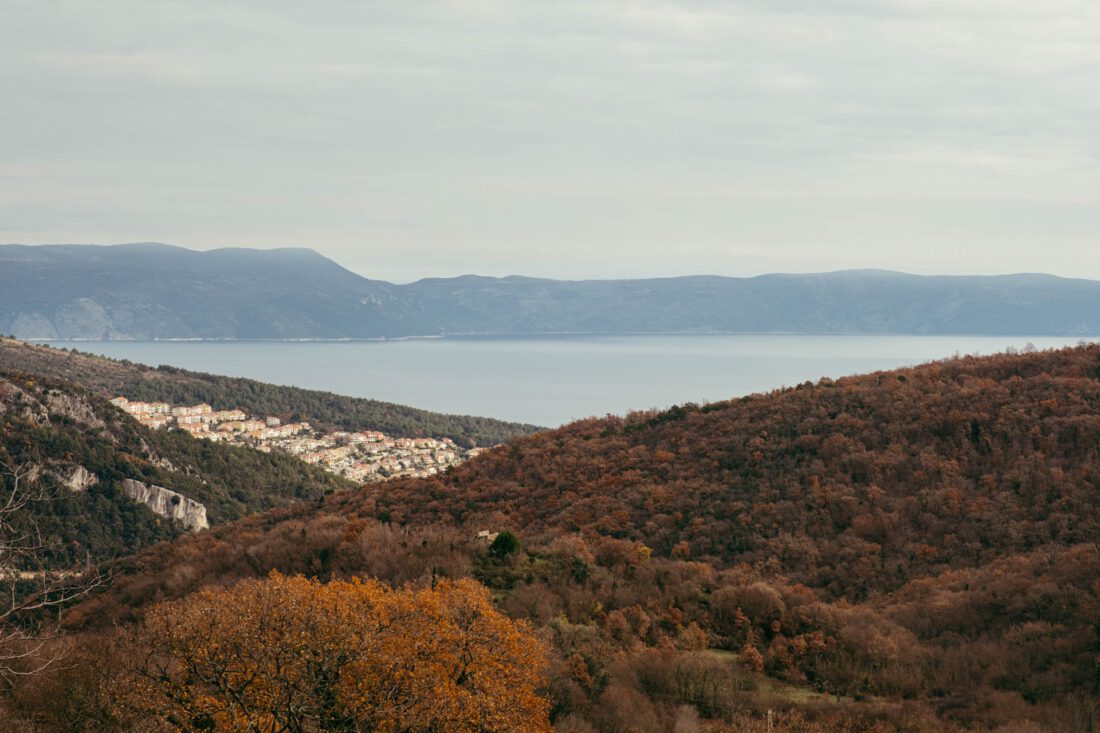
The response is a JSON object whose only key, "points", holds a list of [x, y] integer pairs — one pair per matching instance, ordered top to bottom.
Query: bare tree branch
{"points": [[32, 593]]}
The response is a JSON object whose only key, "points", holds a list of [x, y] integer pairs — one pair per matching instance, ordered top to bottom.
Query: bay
{"points": [[553, 380]]}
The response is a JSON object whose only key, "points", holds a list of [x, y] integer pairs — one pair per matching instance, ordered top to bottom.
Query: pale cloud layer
{"points": [[562, 138]]}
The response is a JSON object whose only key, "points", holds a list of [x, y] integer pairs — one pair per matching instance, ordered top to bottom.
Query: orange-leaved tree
{"points": [[293, 654]]}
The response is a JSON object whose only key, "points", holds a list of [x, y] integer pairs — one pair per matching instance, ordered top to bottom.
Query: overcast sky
{"points": [[565, 139]]}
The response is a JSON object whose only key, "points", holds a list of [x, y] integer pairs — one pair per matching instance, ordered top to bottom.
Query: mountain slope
{"points": [[150, 291], [110, 377], [85, 450], [856, 484], [921, 545]]}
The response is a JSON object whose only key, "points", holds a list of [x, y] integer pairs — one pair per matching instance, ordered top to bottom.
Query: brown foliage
{"points": [[914, 550], [292, 654]]}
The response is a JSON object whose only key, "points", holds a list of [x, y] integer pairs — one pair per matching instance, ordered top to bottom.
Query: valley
{"points": [[661, 366]]}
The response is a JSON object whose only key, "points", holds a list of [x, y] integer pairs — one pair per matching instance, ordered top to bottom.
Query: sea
{"points": [[550, 381]]}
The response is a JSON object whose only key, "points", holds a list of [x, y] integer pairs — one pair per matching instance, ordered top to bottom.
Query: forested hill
{"points": [[155, 291], [110, 377], [79, 450], [853, 486], [910, 550]]}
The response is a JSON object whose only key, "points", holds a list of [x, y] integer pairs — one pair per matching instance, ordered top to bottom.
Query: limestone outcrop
{"points": [[79, 479], [167, 503]]}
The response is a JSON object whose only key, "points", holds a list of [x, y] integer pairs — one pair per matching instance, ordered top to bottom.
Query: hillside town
{"points": [[368, 456]]}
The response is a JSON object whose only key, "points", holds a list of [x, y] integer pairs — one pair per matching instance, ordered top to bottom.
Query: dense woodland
{"points": [[111, 377], [903, 551]]}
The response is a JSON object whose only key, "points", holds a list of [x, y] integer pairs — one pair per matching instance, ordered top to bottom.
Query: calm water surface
{"points": [[550, 381]]}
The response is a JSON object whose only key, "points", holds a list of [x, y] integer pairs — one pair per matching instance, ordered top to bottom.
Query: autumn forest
{"points": [[913, 550]]}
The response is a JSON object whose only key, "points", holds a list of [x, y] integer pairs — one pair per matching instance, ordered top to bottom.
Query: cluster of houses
{"points": [[364, 456]]}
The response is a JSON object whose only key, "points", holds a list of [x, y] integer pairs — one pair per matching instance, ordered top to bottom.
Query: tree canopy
{"points": [[294, 654]]}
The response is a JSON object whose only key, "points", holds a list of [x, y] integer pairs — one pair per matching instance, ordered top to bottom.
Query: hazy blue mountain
{"points": [[147, 291], [155, 291], [856, 301]]}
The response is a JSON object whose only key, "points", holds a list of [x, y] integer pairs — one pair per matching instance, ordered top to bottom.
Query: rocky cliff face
{"points": [[79, 479], [166, 503]]}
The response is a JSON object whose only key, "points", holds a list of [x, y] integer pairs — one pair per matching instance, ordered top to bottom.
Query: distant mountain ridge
{"points": [[154, 291]]}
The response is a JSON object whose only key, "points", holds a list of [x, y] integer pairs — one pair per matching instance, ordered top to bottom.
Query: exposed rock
{"points": [[37, 404], [22, 405], [74, 408], [161, 462], [31, 472], [80, 479], [167, 503]]}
